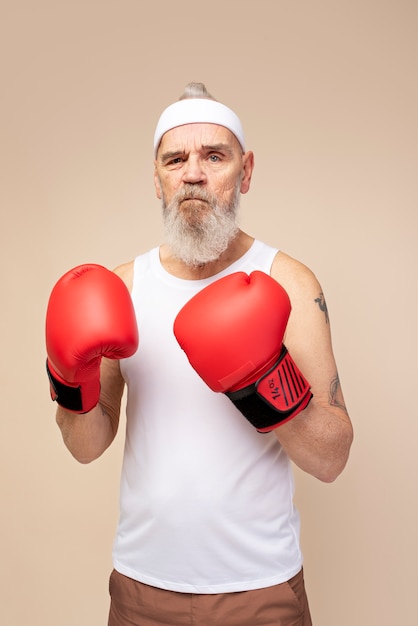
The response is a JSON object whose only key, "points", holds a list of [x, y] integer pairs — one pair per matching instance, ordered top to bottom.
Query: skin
{"points": [[318, 440]]}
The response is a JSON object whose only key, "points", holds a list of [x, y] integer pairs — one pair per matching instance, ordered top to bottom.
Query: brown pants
{"points": [[136, 604]]}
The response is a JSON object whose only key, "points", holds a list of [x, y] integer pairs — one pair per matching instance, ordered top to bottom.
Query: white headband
{"points": [[194, 111]]}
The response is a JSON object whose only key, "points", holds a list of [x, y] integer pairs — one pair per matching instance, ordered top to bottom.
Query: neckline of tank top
{"points": [[157, 265]]}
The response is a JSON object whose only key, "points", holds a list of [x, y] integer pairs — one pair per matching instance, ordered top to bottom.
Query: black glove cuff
{"points": [[280, 394], [67, 397], [260, 414]]}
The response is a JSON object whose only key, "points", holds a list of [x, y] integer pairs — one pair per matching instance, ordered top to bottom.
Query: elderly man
{"points": [[233, 379]]}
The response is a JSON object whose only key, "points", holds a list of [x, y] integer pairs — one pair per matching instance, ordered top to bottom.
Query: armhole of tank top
{"points": [[275, 252], [265, 256], [141, 263], [135, 274]]}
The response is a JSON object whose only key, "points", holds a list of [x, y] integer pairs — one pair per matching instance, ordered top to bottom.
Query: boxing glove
{"points": [[89, 315], [232, 333]]}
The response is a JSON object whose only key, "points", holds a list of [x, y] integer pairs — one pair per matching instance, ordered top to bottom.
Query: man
{"points": [[208, 533]]}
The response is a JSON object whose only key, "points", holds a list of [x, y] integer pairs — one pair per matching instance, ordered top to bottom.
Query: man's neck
{"points": [[237, 248]]}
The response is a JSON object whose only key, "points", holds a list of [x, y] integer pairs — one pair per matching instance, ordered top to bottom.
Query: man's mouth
{"points": [[192, 198]]}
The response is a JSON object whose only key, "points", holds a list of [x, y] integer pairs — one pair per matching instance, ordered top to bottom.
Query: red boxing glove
{"points": [[90, 314], [232, 333]]}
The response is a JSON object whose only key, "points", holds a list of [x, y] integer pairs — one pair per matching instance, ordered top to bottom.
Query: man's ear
{"points": [[248, 167], [157, 184]]}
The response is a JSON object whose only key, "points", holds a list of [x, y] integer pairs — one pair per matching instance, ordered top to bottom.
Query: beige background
{"points": [[327, 91]]}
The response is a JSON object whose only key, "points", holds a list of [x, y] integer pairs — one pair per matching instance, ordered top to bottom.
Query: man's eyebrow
{"points": [[218, 147], [166, 156]]}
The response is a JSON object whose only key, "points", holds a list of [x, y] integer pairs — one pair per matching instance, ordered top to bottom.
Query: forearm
{"points": [[86, 436], [318, 440]]}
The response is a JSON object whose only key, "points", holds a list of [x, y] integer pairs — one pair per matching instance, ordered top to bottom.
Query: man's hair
{"points": [[196, 90]]}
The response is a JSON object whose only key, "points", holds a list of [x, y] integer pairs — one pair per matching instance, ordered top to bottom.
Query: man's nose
{"points": [[193, 171]]}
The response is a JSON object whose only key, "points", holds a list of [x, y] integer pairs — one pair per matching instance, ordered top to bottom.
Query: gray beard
{"points": [[197, 233]]}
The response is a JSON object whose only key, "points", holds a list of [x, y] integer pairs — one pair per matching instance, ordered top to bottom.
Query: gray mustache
{"points": [[193, 191]]}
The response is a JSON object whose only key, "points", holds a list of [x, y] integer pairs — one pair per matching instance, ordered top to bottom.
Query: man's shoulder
{"points": [[126, 271], [296, 277]]}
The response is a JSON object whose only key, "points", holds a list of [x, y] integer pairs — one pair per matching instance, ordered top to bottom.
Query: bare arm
{"points": [[88, 435], [318, 440]]}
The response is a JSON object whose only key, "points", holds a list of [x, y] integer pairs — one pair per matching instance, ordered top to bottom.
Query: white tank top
{"points": [[206, 502]]}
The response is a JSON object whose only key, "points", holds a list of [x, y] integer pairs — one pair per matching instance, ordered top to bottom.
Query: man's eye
{"points": [[214, 158], [174, 161]]}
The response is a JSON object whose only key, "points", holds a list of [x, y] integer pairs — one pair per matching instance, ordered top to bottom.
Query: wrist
{"points": [[77, 397]]}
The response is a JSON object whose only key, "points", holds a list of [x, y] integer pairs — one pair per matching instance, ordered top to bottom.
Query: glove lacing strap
{"points": [[276, 397]]}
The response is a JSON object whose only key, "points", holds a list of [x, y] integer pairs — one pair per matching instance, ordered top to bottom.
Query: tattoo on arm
{"points": [[322, 305], [335, 395]]}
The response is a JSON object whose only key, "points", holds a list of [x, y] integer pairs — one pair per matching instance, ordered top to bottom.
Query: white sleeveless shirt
{"points": [[206, 502]]}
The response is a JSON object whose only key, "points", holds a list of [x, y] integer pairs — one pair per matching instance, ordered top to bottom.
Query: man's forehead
{"points": [[198, 136]]}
